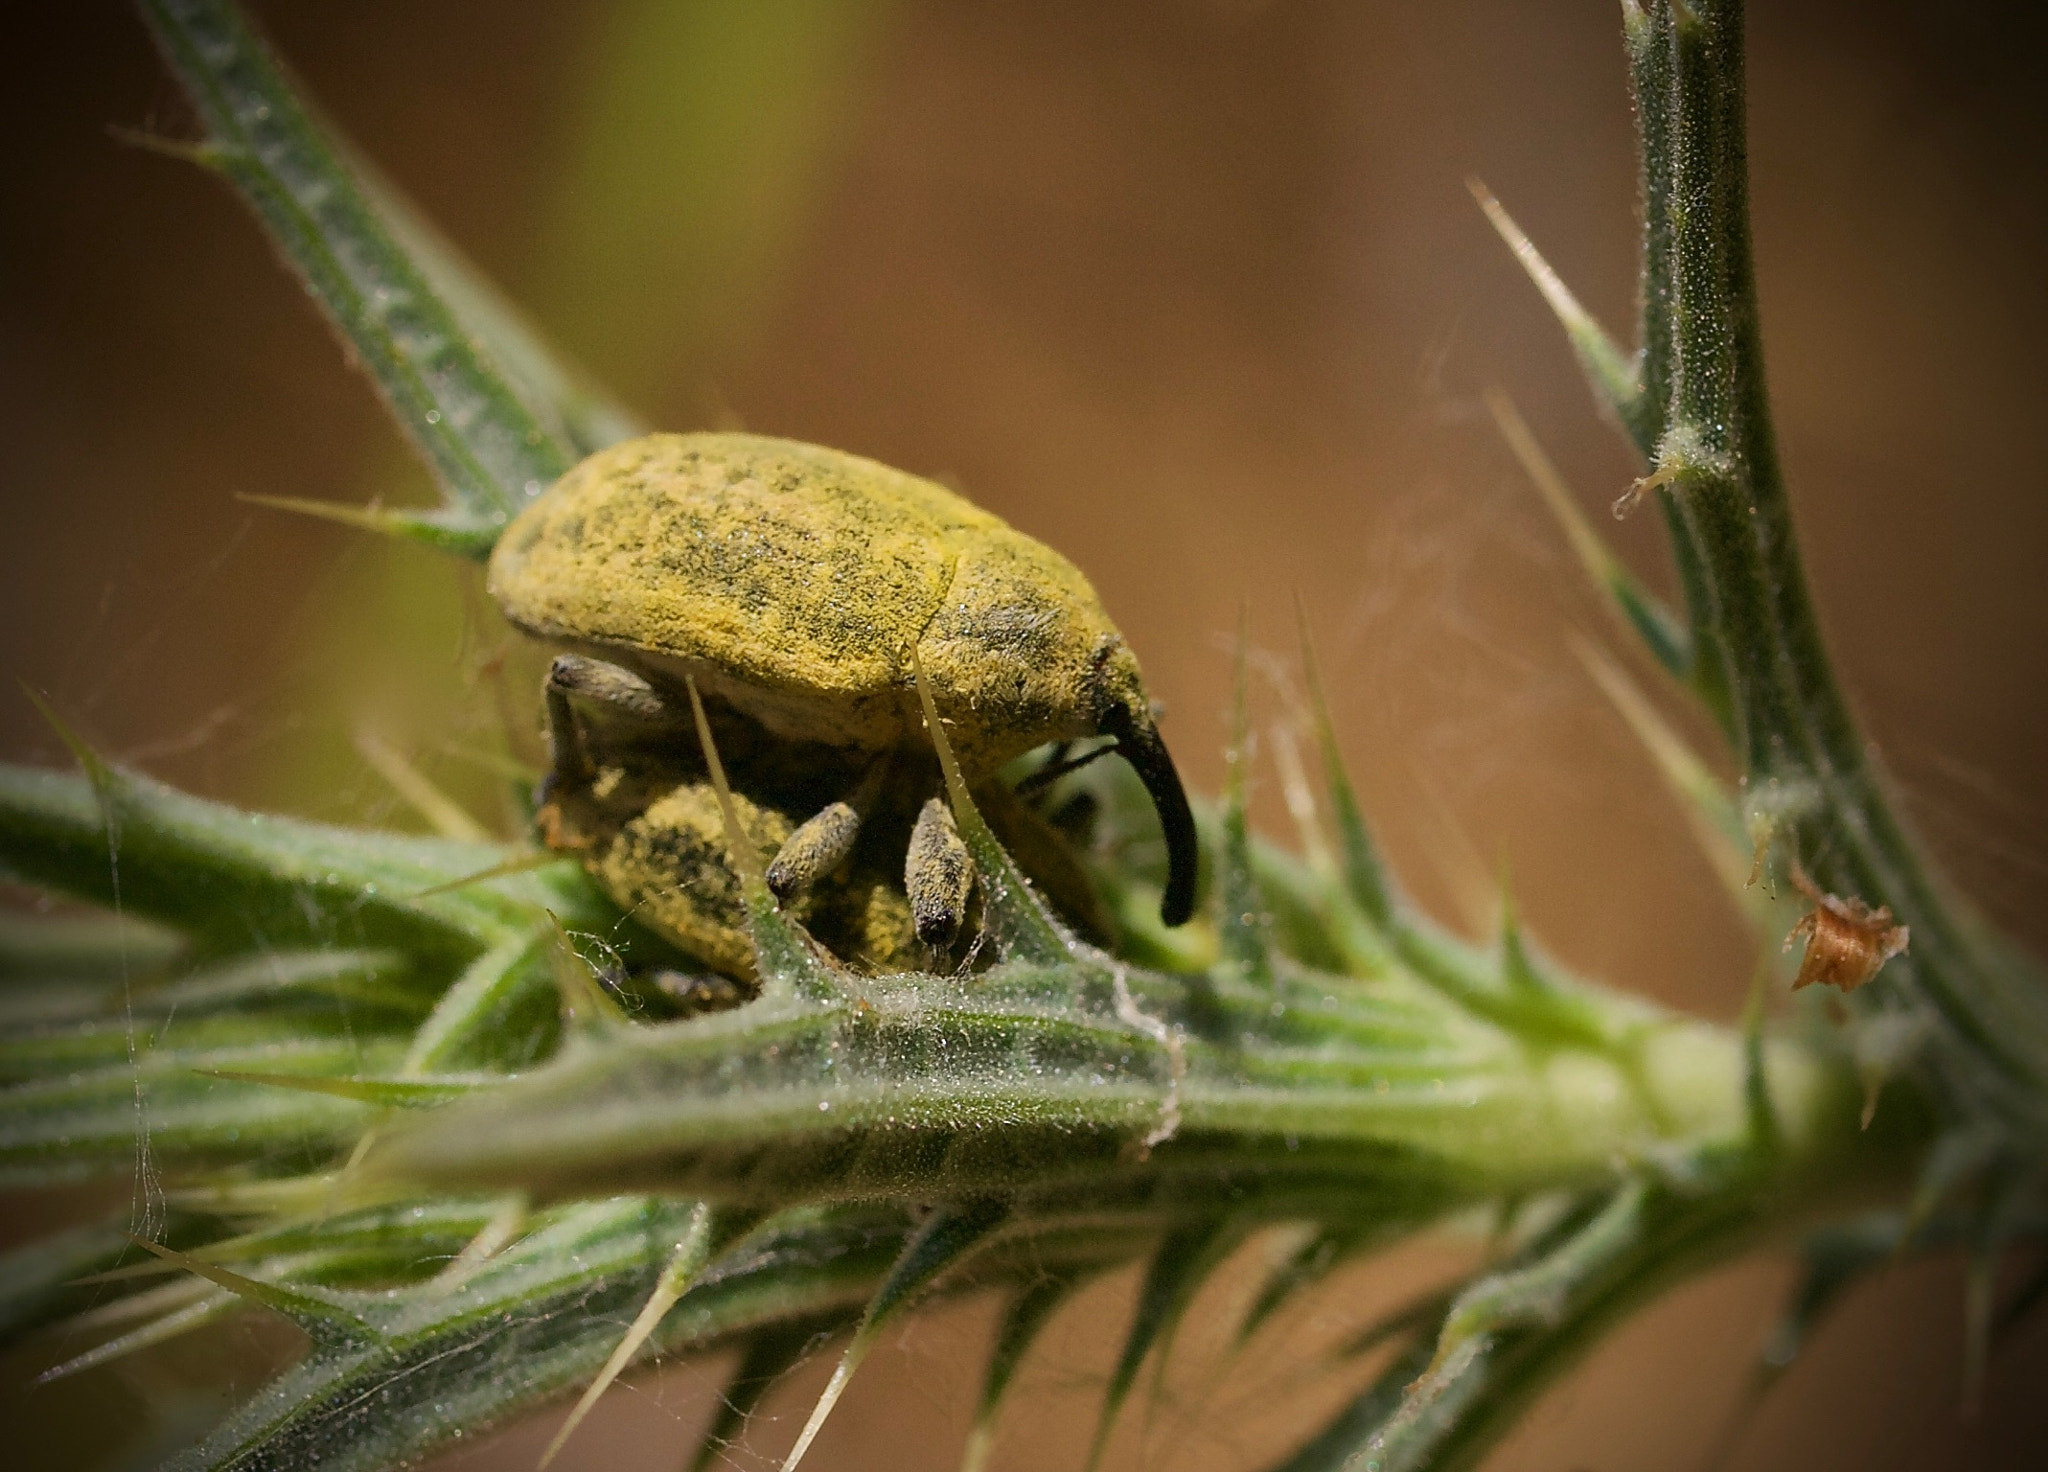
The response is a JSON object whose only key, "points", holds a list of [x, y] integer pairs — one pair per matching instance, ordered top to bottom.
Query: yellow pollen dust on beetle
{"points": [[793, 584]]}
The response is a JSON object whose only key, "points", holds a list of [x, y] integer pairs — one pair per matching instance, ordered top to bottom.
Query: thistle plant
{"points": [[422, 1098]]}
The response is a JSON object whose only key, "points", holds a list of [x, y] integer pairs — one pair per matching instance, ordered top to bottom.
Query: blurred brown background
{"points": [[1194, 292]]}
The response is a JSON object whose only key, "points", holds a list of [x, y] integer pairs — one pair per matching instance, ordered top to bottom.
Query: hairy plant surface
{"points": [[419, 1096]]}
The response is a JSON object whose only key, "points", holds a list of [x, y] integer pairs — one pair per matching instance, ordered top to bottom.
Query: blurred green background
{"points": [[1194, 292]]}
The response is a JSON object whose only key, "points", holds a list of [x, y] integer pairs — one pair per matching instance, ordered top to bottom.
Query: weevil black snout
{"points": [[1139, 743]]}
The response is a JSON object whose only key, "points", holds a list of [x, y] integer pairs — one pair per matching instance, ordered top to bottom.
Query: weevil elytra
{"points": [[793, 583]]}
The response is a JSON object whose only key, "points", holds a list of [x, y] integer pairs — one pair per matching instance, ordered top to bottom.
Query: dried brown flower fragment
{"points": [[1847, 941]]}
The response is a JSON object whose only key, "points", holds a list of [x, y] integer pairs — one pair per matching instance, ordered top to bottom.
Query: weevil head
{"points": [[1020, 652]]}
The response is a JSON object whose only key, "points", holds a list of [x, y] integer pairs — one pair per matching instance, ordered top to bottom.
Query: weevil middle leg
{"points": [[822, 842], [938, 875]]}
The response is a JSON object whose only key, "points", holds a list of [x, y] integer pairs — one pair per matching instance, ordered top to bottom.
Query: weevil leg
{"points": [[577, 680], [1059, 762], [821, 843], [937, 874], [695, 993]]}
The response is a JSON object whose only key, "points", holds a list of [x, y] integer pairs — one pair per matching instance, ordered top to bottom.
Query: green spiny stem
{"points": [[1647, 35], [1652, 76], [1807, 769], [932, 1084]]}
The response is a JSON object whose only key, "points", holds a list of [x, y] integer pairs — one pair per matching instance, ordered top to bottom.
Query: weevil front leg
{"points": [[576, 680], [821, 842], [938, 875]]}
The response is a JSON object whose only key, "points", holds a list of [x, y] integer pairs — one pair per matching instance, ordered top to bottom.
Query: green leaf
{"points": [[1614, 376], [573, 405], [489, 450], [1668, 640], [1709, 808], [1365, 876], [237, 880], [1243, 924], [41, 948], [322, 977], [500, 1009], [66, 1051], [967, 1086], [390, 1093], [91, 1122], [701, 1235], [948, 1237], [1312, 1254], [1186, 1256], [1832, 1260], [39, 1282], [208, 1308], [1029, 1310], [328, 1317], [536, 1321], [1511, 1333], [771, 1353], [1347, 1441]]}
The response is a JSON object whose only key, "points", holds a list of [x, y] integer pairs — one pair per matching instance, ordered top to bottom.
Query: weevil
{"points": [[793, 584]]}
